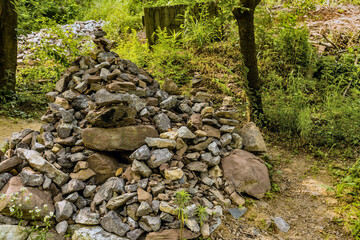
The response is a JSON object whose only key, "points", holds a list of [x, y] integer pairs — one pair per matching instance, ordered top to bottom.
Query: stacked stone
{"points": [[116, 148]]}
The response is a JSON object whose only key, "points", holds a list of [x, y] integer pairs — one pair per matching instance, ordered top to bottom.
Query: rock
{"points": [[170, 87], [103, 98], [169, 103], [207, 112], [114, 116], [162, 122], [195, 122], [231, 122], [227, 129], [211, 131], [185, 133], [172, 135], [126, 138], [225, 139], [252, 139], [236, 141], [160, 143], [201, 146], [213, 148], [142, 153], [158, 157], [210, 159], [39, 163], [9, 164], [81, 165], [104, 166], [197, 166], [141, 168], [215, 172], [246, 172], [83, 174], [175, 174], [4, 178], [31, 178], [73, 186], [104, 193], [144, 196], [72, 197], [38, 198], [220, 198], [237, 199], [119, 201], [166, 208], [144, 209], [63, 210], [237, 213], [87, 217], [8, 220], [111, 222], [150, 224], [281, 224], [193, 225], [62, 227], [205, 230], [13, 232], [96, 232], [134, 234], [171, 234]]}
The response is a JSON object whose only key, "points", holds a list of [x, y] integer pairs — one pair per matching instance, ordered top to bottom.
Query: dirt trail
{"points": [[8, 126], [302, 201]]}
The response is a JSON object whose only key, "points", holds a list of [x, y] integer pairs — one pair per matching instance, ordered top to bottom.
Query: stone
{"points": [[170, 87], [104, 98], [169, 103], [207, 112], [231, 114], [114, 116], [162, 122], [195, 122], [231, 122], [227, 129], [64, 130], [211, 131], [185, 133], [172, 135], [126, 138], [225, 139], [252, 139], [237, 141], [160, 143], [201, 146], [213, 148], [142, 153], [158, 157], [210, 159], [10, 163], [39, 163], [81, 165], [104, 166], [197, 166], [141, 168], [215, 172], [246, 172], [83, 174], [175, 174], [31, 178], [208, 181], [73, 186], [159, 188], [104, 193], [144, 196], [72, 197], [39, 198], [220, 198], [237, 199], [119, 201], [166, 208], [144, 209], [63, 210], [237, 213], [87, 217], [111, 222], [150, 224], [281, 224], [193, 225], [62, 227], [205, 230], [13, 232], [93, 232], [134, 234], [171, 234]]}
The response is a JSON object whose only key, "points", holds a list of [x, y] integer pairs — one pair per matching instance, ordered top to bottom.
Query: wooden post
{"points": [[8, 45]]}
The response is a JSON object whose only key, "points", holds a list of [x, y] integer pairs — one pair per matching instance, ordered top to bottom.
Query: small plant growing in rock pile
{"points": [[182, 199], [17, 200], [202, 214]]}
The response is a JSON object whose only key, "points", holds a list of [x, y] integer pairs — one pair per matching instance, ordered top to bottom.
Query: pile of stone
{"points": [[27, 44], [116, 148]]}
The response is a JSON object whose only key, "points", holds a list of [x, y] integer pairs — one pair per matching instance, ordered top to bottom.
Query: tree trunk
{"points": [[245, 19], [8, 45]]}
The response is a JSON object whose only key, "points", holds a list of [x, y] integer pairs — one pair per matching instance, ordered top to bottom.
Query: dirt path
{"points": [[8, 126], [302, 201]]}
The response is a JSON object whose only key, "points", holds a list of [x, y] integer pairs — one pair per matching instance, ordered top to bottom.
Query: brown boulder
{"points": [[112, 117], [118, 139], [9, 164], [103, 165], [246, 172], [37, 198]]}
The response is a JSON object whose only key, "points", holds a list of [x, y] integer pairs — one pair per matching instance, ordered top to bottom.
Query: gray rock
{"points": [[105, 57], [104, 74], [69, 95], [161, 95], [103, 97], [80, 103], [137, 103], [169, 103], [199, 106], [184, 107], [211, 121], [162, 122], [227, 129], [64, 130], [185, 133], [48, 139], [225, 139], [252, 139], [237, 141], [160, 143], [38, 147], [214, 149], [142, 153], [193, 156], [78, 157], [158, 157], [210, 159], [197, 166], [141, 168], [31, 178], [208, 181], [46, 183], [143, 183], [113, 184], [73, 186], [131, 188], [159, 188], [88, 190], [72, 197], [119, 201], [81, 202], [155, 205], [144, 209], [63, 210], [237, 213], [87, 217], [166, 217], [8, 220], [150, 224], [281, 224], [193, 225], [214, 226], [62, 227], [12, 232], [94, 232], [134, 234]]}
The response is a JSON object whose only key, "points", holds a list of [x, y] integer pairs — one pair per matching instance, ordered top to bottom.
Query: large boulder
{"points": [[126, 138], [252, 139], [103, 165], [246, 172], [29, 197], [13, 232]]}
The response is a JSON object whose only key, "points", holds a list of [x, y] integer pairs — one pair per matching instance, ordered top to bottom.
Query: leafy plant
{"points": [[182, 199], [202, 214]]}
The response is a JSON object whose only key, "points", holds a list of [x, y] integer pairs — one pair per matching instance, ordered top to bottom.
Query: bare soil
{"points": [[8, 126]]}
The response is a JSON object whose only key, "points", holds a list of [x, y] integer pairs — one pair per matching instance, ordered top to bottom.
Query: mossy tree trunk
{"points": [[245, 18], [8, 45]]}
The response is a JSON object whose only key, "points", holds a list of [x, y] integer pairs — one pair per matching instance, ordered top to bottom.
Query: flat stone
{"points": [[104, 98], [169, 103], [162, 122], [231, 122], [227, 129], [211, 131], [185, 133], [172, 135], [126, 138], [160, 143], [201, 146], [142, 153], [158, 157], [210, 159], [9, 164], [104, 165], [197, 166], [141, 168], [83, 174], [175, 174], [31, 178], [72, 186], [104, 193], [144, 196], [119, 201], [166, 208], [237, 213], [87, 217], [111, 222], [150, 224], [281, 224], [13, 232], [94, 232]]}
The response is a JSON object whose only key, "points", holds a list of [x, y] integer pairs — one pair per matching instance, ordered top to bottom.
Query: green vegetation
{"points": [[182, 199]]}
